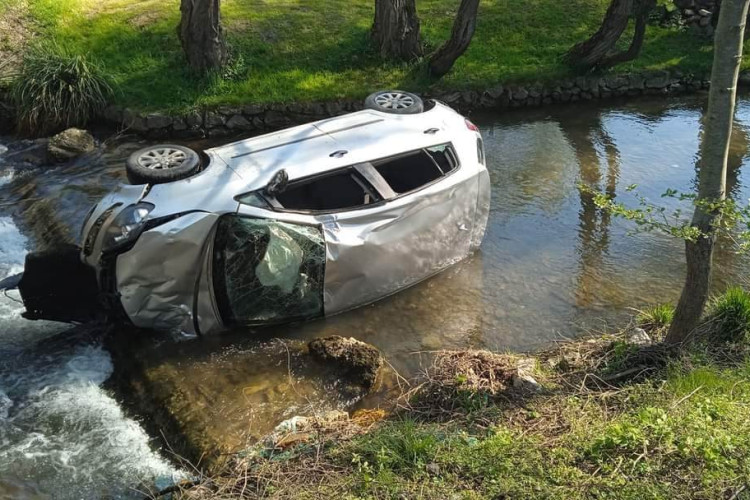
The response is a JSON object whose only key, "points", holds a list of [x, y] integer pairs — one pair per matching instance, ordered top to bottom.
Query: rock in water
{"points": [[69, 144], [359, 362]]}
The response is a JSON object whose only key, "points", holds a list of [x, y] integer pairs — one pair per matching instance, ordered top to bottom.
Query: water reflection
{"points": [[596, 152]]}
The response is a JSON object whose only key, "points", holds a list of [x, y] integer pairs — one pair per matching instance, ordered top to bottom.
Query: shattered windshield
{"points": [[268, 271]]}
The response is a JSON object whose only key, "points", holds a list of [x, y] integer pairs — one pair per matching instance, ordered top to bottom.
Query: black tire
{"points": [[395, 102], [162, 163]]}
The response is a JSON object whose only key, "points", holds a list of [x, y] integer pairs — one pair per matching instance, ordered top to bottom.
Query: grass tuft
{"points": [[57, 89], [730, 315], [656, 317], [402, 447]]}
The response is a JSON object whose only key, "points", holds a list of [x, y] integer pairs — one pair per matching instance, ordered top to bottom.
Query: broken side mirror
{"points": [[278, 183]]}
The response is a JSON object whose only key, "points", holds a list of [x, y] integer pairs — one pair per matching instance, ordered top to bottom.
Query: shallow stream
{"points": [[552, 266]]}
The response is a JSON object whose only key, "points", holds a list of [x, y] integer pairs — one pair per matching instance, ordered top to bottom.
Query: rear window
{"points": [[411, 171], [340, 191]]}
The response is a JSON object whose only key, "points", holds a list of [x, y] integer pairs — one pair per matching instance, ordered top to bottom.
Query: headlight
{"points": [[127, 226]]}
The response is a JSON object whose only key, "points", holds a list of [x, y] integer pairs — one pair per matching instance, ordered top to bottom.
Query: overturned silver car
{"points": [[302, 223]]}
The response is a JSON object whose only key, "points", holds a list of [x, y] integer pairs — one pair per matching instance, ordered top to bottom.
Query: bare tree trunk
{"points": [[642, 10], [717, 12], [395, 30], [463, 30], [201, 34], [589, 53], [712, 175]]}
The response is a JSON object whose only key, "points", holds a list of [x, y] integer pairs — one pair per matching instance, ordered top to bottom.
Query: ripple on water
{"points": [[59, 430]]}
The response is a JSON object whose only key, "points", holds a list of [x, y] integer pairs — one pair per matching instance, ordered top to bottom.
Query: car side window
{"points": [[411, 171], [360, 185], [338, 191], [266, 271]]}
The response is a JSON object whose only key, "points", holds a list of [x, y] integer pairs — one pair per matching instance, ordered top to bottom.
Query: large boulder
{"points": [[70, 144], [359, 362]]}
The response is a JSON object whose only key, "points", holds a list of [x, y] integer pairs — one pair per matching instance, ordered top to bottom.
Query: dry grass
{"points": [[16, 30], [480, 371]]}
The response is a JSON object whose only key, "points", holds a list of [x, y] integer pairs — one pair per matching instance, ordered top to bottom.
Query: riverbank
{"points": [[290, 53], [258, 118], [616, 416]]}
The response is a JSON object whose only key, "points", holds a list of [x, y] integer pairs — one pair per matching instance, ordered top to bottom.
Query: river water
{"points": [[552, 266]]}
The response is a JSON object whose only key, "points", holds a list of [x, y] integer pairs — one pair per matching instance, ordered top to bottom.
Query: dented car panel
{"points": [[375, 253], [157, 278]]}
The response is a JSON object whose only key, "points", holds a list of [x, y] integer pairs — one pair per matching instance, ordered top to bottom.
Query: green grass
{"points": [[304, 50], [731, 312], [656, 317], [682, 434]]}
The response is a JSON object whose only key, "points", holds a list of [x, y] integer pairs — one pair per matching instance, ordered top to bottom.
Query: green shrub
{"points": [[56, 89], [730, 314], [655, 317]]}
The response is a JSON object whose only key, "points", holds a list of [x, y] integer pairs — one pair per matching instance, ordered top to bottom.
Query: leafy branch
{"points": [[649, 216]]}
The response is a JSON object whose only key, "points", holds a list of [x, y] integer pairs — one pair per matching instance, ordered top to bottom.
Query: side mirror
{"points": [[278, 183]]}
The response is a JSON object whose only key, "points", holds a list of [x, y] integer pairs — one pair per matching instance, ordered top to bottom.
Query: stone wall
{"points": [[698, 14], [228, 120]]}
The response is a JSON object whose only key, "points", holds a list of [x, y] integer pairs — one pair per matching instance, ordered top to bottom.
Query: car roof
{"points": [[325, 145]]}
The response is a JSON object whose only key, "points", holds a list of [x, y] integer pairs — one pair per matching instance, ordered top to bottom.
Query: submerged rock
{"points": [[70, 144], [359, 362]]}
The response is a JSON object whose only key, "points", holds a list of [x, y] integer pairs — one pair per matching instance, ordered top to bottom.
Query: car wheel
{"points": [[395, 102], [162, 163]]}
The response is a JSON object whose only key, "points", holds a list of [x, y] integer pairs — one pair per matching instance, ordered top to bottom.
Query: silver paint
{"points": [[157, 278]]}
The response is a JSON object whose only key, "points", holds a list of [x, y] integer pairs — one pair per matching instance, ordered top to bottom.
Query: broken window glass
{"points": [[411, 171], [338, 191], [267, 271]]}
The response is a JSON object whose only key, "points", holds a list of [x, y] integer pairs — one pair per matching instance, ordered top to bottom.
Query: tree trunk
{"points": [[642, 10], [715, 18], [395, 30], [463, 30], [201, 34], [589, 53], [712, 175]]}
